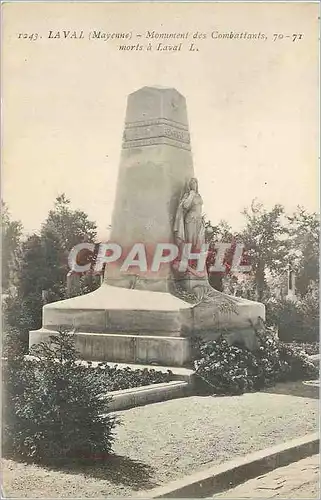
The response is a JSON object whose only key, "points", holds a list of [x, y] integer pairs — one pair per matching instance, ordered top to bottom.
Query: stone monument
{"points": [[137, 316]]}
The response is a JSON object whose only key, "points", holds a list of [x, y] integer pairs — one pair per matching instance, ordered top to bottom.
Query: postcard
{"points": [[160, 249]]}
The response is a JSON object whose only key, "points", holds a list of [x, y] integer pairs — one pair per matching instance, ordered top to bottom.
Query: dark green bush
{"points": [[17, 321], [296, 321], [13, 343], [309, 348], [297, 359], [225, 369], [115, 378], [53, 408], [50, 412]]}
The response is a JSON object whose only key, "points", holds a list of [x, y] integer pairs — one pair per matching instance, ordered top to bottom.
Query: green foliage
{"points": [[69, 226], [11, 232], [220, 233], [304, 234], [265, 242], [275, 242], [265, 246], [43, 266], [40, 267], [38, 270], [88, 283], [245, 288], [309, 308], [283, 314], [19, 318], [296, 321], [13, 346], [310, 348], [297, 359], [225, 369], [115, 378], [53, 404], [51, 413]]}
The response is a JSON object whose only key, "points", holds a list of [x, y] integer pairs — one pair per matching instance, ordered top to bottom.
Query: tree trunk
{"points": [[260, 282]]}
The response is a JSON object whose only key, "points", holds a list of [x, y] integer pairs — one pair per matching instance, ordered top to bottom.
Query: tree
{"points": [[70, 226], [11, 232], [220, 233], [265, 239], [304, 248], [43, 266], [38, 270], [22, 310]]}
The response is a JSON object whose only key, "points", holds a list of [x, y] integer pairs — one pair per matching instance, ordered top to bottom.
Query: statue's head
{"points": [[193, 184]]}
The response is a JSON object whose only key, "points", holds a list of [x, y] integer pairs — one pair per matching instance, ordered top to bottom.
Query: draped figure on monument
{"points": [[189, 228]]}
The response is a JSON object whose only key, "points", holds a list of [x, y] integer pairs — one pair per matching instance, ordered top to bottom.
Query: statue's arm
{"points": [[187, 202]]}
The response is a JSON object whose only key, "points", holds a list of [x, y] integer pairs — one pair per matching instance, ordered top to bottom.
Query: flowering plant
{"points": [[222, 368]]}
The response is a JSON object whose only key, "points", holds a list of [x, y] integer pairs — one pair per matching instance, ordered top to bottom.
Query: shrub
{"points": [[309, 309], [17, 321], [296, 321], [13, 343], [308, 348], [300, 368], [225, 369], [114, 378], [52, 403], [52, 413]]}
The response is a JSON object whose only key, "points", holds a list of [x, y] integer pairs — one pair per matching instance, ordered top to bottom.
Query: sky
{"points": [[252, 104]]}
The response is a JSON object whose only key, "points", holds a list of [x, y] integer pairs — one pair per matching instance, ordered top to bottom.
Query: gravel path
{"points": [[165, 441]]}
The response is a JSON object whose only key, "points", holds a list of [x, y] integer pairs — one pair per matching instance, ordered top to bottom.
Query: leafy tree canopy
{"points": [[11, 232]]}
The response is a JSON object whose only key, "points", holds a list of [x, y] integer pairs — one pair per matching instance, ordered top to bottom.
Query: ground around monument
{"points": [[164, 441]]}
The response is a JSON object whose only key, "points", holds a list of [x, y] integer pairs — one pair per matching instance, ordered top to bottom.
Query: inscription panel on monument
{"points": [[157, 121], [161, 132], [153, 141]]}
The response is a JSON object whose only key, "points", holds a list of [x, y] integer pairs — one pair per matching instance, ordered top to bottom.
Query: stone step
{"points": [[122, 348], [134, 348]]}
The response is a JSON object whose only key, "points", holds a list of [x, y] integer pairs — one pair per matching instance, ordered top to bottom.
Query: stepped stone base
{"points": [[119, 310], [137, 326], [122, 348]]}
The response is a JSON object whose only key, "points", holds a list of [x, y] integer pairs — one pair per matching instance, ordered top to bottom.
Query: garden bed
{"points": [[116, 378]]}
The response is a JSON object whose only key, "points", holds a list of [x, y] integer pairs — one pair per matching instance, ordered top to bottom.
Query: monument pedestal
{"points": [[143, 327]]}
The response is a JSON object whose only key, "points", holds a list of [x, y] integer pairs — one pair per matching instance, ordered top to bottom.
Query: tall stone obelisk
{"points": [[156, 161], [133, 317]]}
